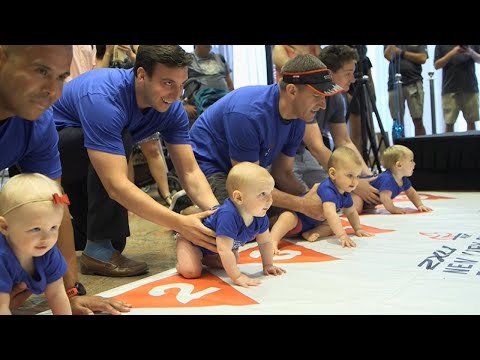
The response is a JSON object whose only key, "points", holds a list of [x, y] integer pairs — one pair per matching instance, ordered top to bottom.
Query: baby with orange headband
{"points": [[31, 211]]}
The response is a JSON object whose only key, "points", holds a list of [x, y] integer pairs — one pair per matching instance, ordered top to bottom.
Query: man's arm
{"points": [[390, 52], [473, 54], [279, 56], [417, 58], [105, 61], [229, 81], [341, 137], [314, 141], [112, 170], [282, 172], [191, 176], [285, 179], [66, 245], [4, 304], [81, 305]]}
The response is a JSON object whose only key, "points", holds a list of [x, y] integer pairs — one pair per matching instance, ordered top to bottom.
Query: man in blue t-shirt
{"points": [[31, 79], [98, 117], [265, 125], [311, 164]]}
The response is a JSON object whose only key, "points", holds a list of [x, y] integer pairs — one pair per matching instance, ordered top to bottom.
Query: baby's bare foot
{"points": [[311, 237]]}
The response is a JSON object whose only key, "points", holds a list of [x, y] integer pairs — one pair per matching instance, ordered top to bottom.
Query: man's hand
{"points": [[367, 192], [312, 205], [193, 230], [19, 295], [87, 305]]}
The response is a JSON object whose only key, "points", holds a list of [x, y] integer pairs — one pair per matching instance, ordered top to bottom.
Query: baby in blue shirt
{"points": [[398, 160], [344, 169], [31, 211]]}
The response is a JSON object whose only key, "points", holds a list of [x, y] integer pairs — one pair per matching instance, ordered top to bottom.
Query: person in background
{"points": [[282, 53], [116, 56], [84, 59], [406, 60], [362, 68], [208, 74], [459, 83], [31, 212], [241, 218]]}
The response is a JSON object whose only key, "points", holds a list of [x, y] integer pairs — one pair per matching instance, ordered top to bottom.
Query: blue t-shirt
{"points": [[103, 103], [244, 125], [33, 145], [386, 181], [327, 191], [227, 221], [49, 268]]}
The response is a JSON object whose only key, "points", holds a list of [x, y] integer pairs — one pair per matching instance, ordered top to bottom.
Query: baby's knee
{"points": [[189, 272]]}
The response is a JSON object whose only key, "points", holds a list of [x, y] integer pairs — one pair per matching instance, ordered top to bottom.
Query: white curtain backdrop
{"points": [[249, 65]]}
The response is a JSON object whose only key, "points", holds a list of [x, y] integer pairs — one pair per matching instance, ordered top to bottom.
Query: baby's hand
{"points": [[424, 208], [397, 210], [362, 233], [347, 242], [273, 270], [245, 281]]}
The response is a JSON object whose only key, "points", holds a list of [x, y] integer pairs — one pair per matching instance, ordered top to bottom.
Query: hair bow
{"points": [[60, 199]]}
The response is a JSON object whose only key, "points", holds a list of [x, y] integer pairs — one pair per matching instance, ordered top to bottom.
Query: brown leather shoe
{"points": [[117, 266]]}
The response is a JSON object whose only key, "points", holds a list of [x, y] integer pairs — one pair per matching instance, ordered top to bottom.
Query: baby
{"points": [[398, 160], [344, 169], [31, 211], [240, 219]]}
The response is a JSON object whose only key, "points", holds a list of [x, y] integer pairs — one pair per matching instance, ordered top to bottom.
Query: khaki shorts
{"points": [[413, 94], [452, 103], [155, 136]]}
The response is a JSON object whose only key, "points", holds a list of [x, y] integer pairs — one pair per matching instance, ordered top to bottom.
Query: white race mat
{"points": [[418, 263]]}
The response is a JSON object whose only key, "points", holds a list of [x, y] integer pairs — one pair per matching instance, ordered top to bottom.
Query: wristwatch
{"points": [[77, 289]]}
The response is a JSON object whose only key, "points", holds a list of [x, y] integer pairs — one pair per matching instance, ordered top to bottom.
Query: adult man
{"points": [[340, 60], [406, 60], [31, 79], [459, 83], [99, 115], [265, 125]]}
